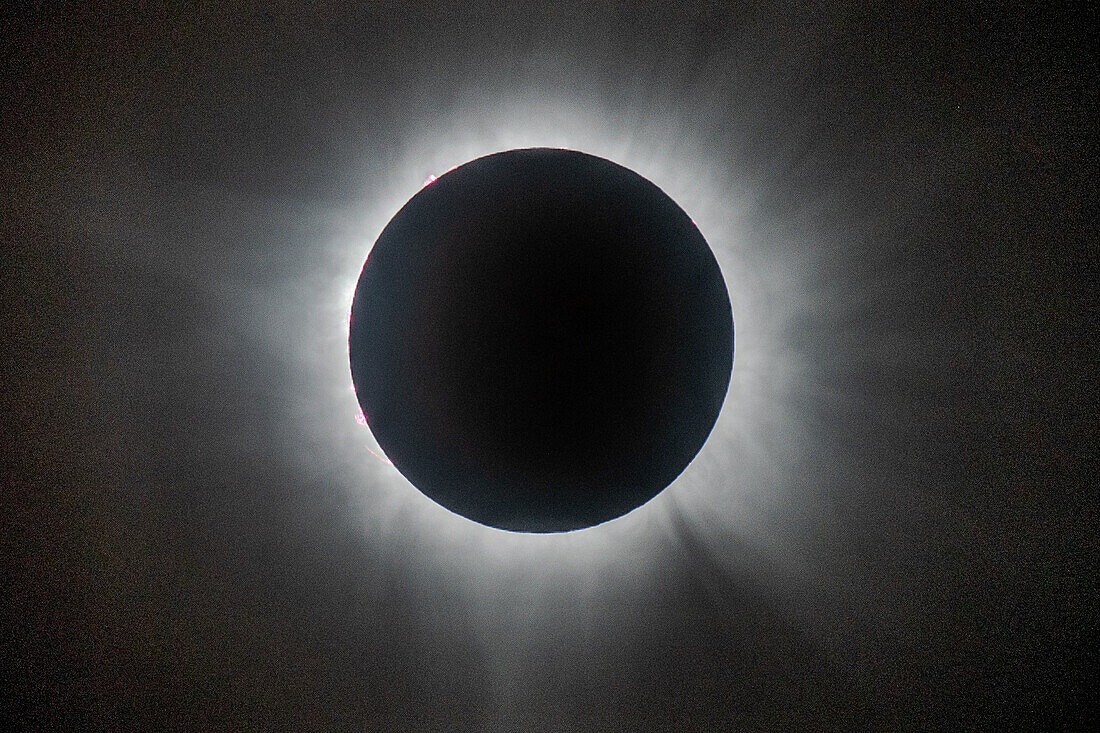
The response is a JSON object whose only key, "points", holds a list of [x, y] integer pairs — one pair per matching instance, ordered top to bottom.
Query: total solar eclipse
{"points": [[541, 340]]}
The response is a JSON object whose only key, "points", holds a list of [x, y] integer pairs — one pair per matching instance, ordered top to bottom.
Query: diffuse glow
{"points": [[709, 195]]}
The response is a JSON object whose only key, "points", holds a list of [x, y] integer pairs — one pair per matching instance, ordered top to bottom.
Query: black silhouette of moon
{"points": [[541, 340]]}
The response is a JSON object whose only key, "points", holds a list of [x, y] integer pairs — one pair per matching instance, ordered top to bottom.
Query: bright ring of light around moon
{"points": [[727, 490]]}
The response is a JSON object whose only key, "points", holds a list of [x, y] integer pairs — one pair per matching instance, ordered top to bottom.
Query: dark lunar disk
{"points": [[541, 340]]}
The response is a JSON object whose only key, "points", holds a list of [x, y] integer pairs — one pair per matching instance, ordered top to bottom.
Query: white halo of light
{"points": [[719, 492]]}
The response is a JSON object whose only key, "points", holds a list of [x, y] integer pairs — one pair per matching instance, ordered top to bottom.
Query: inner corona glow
{"points": [[672, 162]]}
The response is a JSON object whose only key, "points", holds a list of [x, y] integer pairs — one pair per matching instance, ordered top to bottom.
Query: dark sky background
{"points": [[891, 527]]}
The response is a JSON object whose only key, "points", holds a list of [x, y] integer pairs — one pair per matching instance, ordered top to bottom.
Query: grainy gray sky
{"points": [[889, 528]]}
